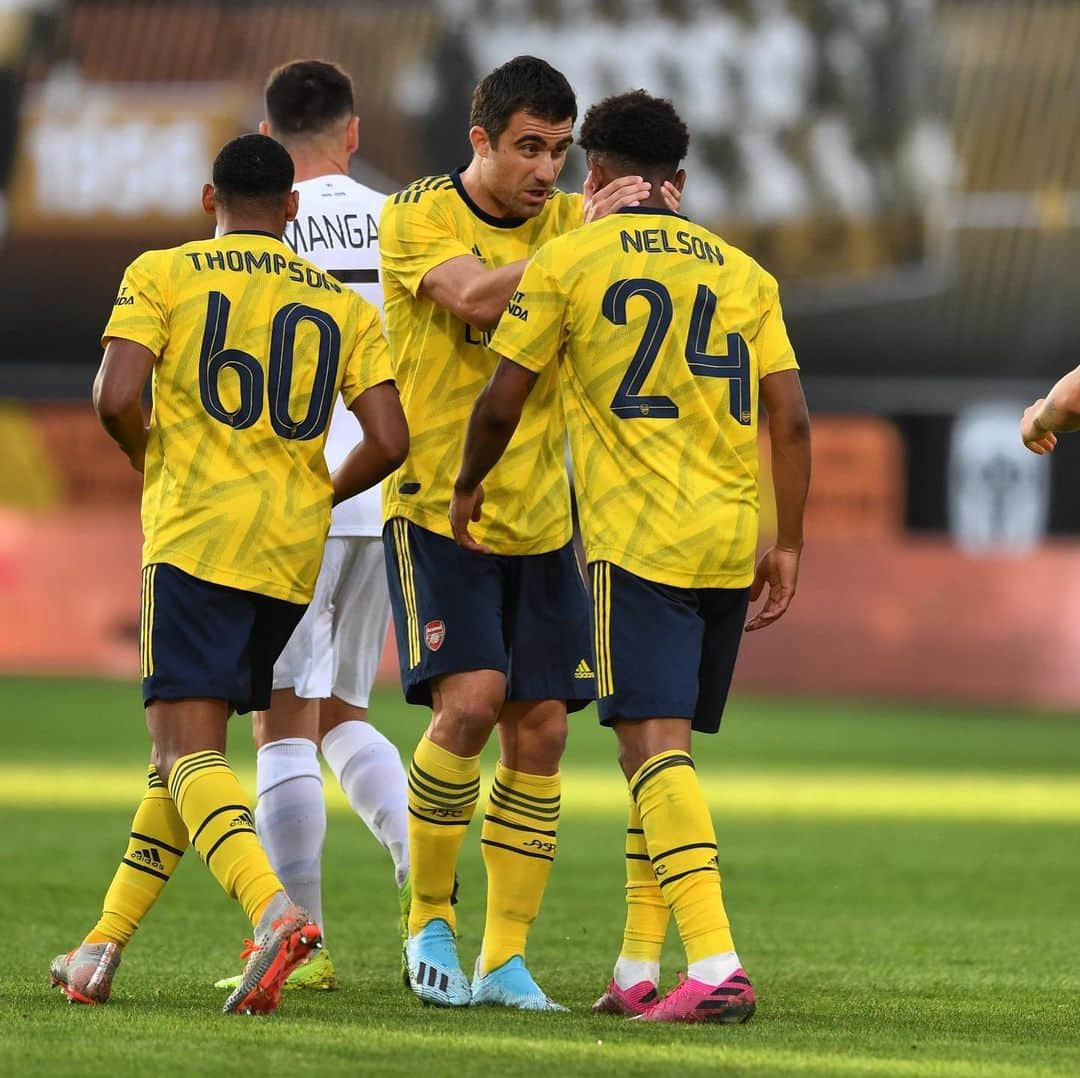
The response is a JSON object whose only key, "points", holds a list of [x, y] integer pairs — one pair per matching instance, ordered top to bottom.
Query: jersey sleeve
{"points": [[415, 237], [140, 310], [532, 330], [771, 341], [368, 363]]}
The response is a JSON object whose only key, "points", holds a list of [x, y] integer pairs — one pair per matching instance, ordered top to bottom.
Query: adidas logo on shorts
{"points": [[583, 670]]}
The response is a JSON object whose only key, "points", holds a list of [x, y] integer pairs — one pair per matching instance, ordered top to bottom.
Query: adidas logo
{"points": [[583, 670], [243, 820], [149, 855]]}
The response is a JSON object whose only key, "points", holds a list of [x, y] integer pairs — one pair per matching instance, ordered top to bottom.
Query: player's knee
{"points": [[465, 724], [545, 736], [163, 761]]}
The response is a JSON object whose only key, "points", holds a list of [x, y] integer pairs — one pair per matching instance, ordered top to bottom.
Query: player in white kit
{"points": [[324, 676]]}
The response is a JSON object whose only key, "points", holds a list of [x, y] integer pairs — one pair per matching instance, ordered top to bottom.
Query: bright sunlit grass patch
{"points": [[592, 791]]}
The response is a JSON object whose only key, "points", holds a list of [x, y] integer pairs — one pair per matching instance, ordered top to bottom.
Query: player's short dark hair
{"points": [[525, 82], [305, 97], [642, 130], [253, 168]]}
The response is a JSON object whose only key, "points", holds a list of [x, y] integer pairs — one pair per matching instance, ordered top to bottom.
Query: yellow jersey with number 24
{"points": [[661, 333]]}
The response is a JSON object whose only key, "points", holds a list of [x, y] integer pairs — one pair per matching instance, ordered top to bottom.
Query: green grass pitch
{"points": [[904, 886]]}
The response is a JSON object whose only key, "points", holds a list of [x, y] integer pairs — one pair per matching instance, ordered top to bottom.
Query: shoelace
{"points": [[250, 947]]}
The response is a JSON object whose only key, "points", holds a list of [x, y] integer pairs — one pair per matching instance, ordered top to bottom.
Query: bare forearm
{"points": [[468, 289], [493, 292], [117, 396], [1060, 410], [127, 427], [488, 436], [362, 469], [791, 483]]}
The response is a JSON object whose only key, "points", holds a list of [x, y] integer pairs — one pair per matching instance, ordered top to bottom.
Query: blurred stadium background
{"points": [[909, 169], [898, 873]]}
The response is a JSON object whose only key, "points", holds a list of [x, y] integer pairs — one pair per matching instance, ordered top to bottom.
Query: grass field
{"points": [[904, 886]]}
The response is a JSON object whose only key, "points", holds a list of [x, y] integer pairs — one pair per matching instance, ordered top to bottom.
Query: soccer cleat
{"points": [[405, 904], [284, 937], [316, 973], [85, 974], [435, 974], [511, 985], [693, 1001], [627, 1002]]}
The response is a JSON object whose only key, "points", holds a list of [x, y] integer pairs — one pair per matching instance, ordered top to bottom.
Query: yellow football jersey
{"points": [[664, 332], [253, 345], [441, 365]]}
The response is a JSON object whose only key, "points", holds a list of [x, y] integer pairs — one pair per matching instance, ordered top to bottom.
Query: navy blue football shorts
{"points": [[455, 610], [204, 640], [661, 651]]}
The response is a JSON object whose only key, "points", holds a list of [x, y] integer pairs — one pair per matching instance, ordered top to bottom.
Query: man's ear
{"points": [[264, 128], [352, 136], [480, 141], [600, 176], [680, 180], [208, 204], [292, 206]]}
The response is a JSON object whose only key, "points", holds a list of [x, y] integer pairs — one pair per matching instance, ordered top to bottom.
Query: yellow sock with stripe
{"points": [[443, 791], [211, 802], [158, 840], [518, 842], [681, 843], [647, 914]]}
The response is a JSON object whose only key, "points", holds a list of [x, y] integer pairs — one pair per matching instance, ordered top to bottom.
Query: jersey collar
{"points": [[662, 210], [487, 218], [249, 232]]}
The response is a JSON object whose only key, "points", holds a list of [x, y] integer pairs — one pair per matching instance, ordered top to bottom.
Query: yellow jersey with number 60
{"points": [[662, 332], [252, 344], [441, 364]]}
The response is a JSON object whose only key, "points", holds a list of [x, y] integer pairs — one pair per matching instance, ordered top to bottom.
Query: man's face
{"points": [[520, 170]]}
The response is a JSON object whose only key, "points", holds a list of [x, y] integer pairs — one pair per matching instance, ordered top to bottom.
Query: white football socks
{"points": [[370, 772], [290, 818], [715, 969], [631, 971]]}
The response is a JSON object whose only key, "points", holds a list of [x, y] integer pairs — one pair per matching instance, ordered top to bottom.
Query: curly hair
{"points": [[637, 127], [253, 168]]}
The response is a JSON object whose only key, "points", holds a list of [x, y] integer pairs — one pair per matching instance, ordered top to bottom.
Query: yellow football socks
{"points": [[443, 790], [211, 802], [158, 840], [518, 842], [681, 843], [647, 914]]}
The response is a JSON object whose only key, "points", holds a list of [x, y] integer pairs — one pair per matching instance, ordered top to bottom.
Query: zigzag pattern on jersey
{"points": [[416, 190], [676, 501]]}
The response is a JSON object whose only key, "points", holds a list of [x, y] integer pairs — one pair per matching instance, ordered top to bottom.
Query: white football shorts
{"points": [[336, 647]]}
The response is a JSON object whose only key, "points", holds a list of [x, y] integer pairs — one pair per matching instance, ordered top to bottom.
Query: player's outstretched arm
{"points": [[465, 287], [117, 395], [1059, 411], [495, 417], [789, 434], [385, 445]]}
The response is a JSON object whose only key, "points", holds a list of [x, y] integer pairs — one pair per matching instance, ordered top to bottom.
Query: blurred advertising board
{"points": [[117, 159], [877, 613]]}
